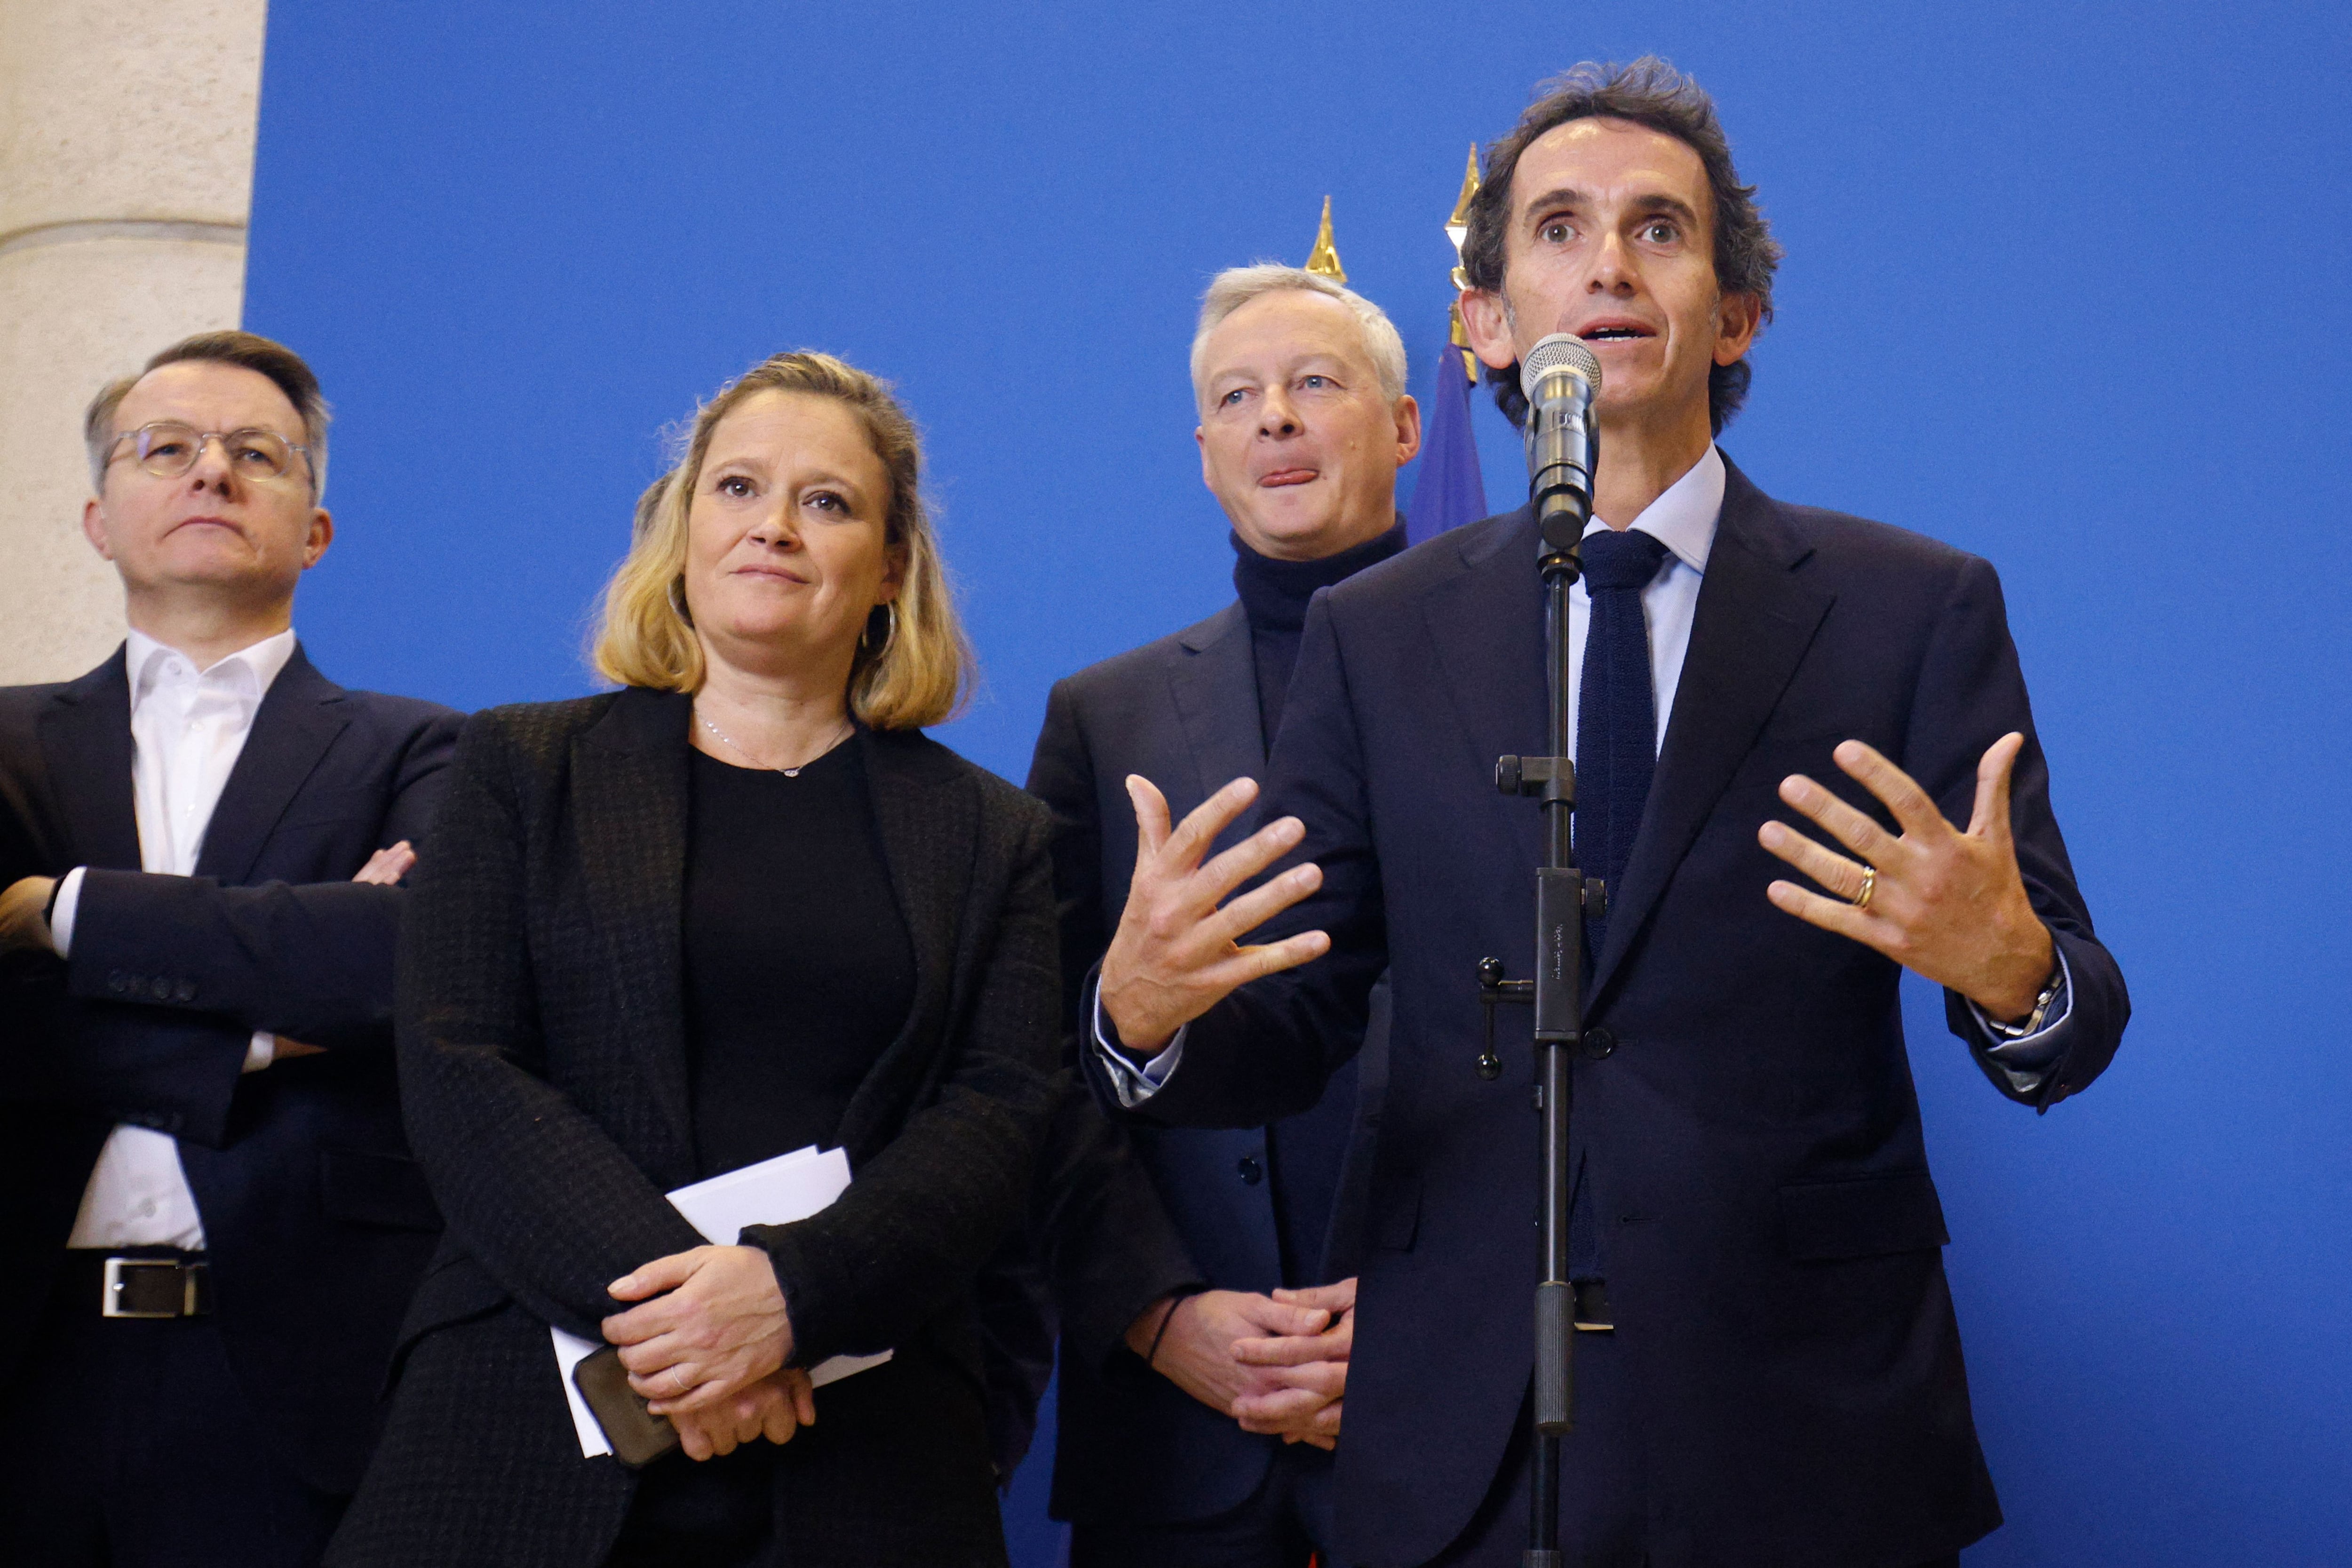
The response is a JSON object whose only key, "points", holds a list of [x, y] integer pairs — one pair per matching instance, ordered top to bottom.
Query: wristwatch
{"points": [[2043, 1002]]}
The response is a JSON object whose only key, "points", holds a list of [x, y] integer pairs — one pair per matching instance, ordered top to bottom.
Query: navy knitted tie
{"points": [[1616, 708], [1616, 753]]}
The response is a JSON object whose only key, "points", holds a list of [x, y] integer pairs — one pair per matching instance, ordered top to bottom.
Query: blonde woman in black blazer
{"points": [[739, 906]]}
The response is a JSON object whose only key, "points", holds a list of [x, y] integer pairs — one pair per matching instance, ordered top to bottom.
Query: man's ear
{"points": [[1736, 318], [1488, 320], [1408, 429], [1201, 439], [93, 527], [322, 534]]}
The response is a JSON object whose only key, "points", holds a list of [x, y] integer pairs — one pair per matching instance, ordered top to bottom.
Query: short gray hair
{"points": [[1237, 286], [246, 351]]}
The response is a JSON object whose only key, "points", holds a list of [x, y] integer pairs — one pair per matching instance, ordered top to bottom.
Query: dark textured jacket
{"points": [[542, 1049], [1752, 1138], [317, 1222]]}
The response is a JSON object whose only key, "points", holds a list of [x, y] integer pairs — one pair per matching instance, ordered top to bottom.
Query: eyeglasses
{"points": [[167, 448]]}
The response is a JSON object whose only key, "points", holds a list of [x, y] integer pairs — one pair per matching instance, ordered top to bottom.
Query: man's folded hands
{"points": [[1299, 1381]]}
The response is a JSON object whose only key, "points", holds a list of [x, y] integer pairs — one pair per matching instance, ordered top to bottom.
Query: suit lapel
{"points": [[1754, 621], [1488, 626], [1215, 685], [299, 717], [86, 746], [629, 794], [928, 819]]}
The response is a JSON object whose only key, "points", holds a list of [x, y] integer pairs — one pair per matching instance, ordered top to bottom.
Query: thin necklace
{"points": [[848, 729]]}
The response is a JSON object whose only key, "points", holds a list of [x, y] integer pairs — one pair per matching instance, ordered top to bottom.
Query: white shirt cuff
{"points": [[61, 913], [260, 1051], [1134, 1085]]}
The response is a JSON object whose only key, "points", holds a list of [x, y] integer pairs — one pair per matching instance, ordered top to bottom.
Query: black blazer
{"points": [[542, 1055], [317, 1222], [1772, 1233], [1131, 1446]]}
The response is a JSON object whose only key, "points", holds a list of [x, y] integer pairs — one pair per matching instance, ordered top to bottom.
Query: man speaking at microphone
{"points": [[1772, 1378]]}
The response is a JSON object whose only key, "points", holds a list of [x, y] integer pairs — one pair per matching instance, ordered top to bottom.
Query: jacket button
{"points": [[117, 982], [160, 988], [186, 991], [1599, 1045], [1252, 1170]]}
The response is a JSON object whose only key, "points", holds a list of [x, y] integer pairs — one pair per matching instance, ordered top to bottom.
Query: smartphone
{"points": [[638, 1435]]}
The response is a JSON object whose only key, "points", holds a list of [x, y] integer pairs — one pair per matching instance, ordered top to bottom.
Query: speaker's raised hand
{"points": [[1945, 904], [1177, 952]]}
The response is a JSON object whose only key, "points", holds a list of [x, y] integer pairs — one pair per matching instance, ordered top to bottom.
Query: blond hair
{"points": [[913, 667]]}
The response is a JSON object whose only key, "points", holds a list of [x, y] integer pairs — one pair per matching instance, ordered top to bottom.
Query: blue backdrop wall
{"points": [[2066, 286]]}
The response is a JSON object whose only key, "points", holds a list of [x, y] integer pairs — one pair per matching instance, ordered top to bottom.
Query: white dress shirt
{"points": [[1683, 518], [187, 728]]}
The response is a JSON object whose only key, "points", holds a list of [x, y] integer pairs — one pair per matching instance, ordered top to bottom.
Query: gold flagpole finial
{"points": [[1457, 229], [1324, 259]]}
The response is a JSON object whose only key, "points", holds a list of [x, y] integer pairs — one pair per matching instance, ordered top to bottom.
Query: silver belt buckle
{"points": [[109, 1304]]}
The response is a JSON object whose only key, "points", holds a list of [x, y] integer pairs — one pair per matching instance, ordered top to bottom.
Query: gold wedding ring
{"points": [[1869, 885]]}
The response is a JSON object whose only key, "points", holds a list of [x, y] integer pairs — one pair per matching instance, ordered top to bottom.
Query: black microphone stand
{"points": [[1561, 454]]}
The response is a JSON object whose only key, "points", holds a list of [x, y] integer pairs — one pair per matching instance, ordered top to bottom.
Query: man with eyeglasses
{"points": [[209, 1221]]}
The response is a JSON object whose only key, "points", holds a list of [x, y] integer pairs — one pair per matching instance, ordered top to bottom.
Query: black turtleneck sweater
{"points": [[1274, 596], [1304, 1150]]}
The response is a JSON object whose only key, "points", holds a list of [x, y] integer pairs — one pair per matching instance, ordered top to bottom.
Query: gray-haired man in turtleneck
{"points": [[1205, 1279]]}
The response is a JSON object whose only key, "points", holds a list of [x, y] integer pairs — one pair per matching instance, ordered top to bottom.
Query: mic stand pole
{"points": [[1563, 899]]}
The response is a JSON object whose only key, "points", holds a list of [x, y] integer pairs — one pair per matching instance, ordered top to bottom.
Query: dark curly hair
{"points": [[1652, 93]]}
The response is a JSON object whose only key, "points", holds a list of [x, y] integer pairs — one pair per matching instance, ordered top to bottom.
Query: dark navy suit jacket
{"points": [[1184, 712], [1753, 1139], [315, 1220]]}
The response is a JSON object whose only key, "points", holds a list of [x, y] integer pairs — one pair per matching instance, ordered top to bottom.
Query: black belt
{"points": [[145, 1282]]}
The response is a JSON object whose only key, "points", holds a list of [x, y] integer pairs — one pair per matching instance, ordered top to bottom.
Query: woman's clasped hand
{"points": [[707, 1344]]}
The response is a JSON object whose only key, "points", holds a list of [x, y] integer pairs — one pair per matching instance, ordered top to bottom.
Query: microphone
{"points": [[1560, 377]]}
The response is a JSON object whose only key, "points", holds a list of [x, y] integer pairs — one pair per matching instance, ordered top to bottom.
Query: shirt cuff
{"points": [[61, 912], [260, 1051], [2027, 1060], [1133, 1084]]}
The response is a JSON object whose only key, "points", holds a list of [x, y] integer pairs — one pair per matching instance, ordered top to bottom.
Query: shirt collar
{"points": [[1683, 517], [249, 671]]}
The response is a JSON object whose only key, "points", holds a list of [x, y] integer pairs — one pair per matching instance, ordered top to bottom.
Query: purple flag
{"points": [[1450, 492]]}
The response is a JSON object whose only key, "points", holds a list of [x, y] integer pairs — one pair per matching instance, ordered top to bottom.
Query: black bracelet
{"points": [[1166, 1318]]}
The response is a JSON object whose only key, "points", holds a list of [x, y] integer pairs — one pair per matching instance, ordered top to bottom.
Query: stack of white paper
{"points": [[773, 1192]]}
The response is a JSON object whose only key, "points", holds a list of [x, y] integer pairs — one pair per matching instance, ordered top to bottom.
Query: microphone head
{"points": [[1561, 348]]}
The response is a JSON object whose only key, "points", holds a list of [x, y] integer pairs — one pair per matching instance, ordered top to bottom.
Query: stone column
{"points": [[126, 175]]}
